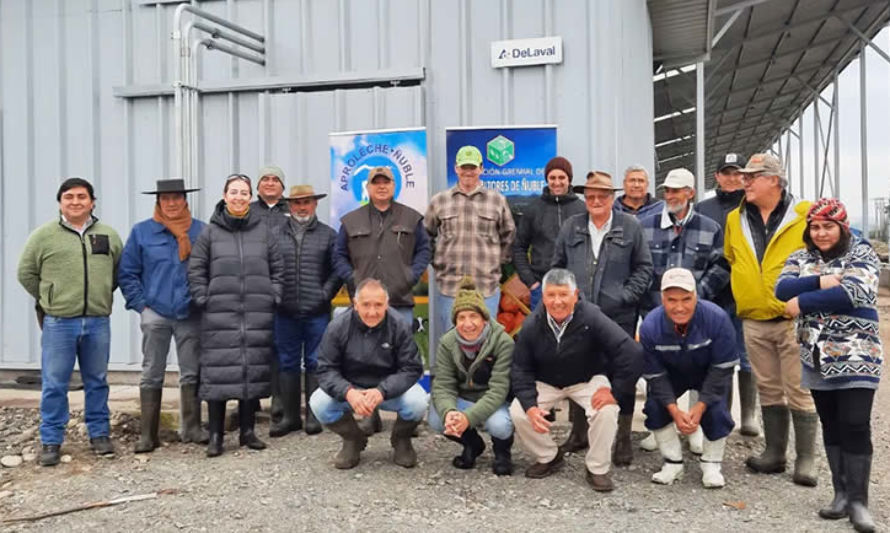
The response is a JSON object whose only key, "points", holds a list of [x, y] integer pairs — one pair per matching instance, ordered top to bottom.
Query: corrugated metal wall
{"points": [[63, 61]]}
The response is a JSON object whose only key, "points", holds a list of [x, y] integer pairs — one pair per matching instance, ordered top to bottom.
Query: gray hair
{"points": [[636, 168], [559, 276], [372, 283]]}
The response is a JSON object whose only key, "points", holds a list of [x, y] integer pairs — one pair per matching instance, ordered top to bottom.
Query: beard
{"points": [[676, 209], [302, 220]]}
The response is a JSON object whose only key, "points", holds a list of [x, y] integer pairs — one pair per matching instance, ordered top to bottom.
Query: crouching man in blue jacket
{"points": [[689, 345]]}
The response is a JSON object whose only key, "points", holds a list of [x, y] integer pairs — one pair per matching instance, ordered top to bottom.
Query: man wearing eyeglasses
{"points": [[760, 235], [606, 251]]}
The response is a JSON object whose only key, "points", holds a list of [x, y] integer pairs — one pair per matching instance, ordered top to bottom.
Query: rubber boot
{"points": [[289, 392], [748, 404], [150, 407], [190, 411], [276, 411], [776, 419], [216, 421], [246, 424], [371, 424], [313, 427], [805, 427], [577, 440], [696, 440], [354, 441], [473, 448], [403, 452], [672, 452], [623, 454], [503, 456], [711, 461], [857, 468], [838, 506]]}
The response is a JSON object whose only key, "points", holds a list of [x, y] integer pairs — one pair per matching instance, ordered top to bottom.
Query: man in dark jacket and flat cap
{"points": [[368, 359]]}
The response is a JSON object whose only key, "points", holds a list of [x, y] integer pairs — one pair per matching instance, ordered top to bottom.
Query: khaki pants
{"points": [[775, 358], [601, 435]]}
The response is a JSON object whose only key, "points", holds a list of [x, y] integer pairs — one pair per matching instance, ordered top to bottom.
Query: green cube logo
{"points": [[500, 150]]}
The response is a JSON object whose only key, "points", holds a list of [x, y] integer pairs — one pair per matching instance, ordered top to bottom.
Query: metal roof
{"points": [[768, 61]]}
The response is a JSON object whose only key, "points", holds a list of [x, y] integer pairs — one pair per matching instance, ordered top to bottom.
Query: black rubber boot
{"points": [[289, 392], [748, 404], [150, 408], [190, 409], [276, 412], [216, 420], [776, 420], [246, 424], [371, 424], [313, 427], [805, 427], [577, 440], [354, 441], [473, 448], [403, 452], [623, 453], [503, 457], [857, 468], [838, 506]]}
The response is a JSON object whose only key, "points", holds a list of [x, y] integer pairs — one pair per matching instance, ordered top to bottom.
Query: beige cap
{"points": [[766, 163], [384, 171], [679, 178], [679, 278]]}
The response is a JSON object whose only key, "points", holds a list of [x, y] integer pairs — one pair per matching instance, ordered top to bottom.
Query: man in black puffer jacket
{"points": [[539, 225], [310, 283], [368, 359]]}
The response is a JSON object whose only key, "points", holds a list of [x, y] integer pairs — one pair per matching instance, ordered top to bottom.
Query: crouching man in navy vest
{"points": [[689, 345]]}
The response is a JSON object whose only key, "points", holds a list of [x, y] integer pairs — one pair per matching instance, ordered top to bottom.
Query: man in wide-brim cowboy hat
{"points": [[307, 246], [153, 279]]}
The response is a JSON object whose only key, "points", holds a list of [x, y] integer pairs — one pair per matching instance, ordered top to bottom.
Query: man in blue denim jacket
{"points": [[154, 281]]}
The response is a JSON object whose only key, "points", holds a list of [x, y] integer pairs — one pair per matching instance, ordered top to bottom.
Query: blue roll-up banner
{"points": [[355, 153], [513, 157]]}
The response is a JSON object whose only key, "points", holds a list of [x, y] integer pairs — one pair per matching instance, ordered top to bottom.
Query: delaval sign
{"points": [[526, 52]]}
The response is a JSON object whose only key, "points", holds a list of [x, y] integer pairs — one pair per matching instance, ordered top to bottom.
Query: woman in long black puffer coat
{"points": [[236, 278]]}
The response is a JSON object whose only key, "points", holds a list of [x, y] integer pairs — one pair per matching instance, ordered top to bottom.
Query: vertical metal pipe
{"points": [[817, 126], [700, 127], [863, 137], [837, 138], [800, 152]]}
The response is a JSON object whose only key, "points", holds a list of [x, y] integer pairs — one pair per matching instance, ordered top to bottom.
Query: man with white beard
{"points": [[679, 237]]}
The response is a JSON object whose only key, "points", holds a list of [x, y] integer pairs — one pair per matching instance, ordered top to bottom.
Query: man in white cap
{"points": [[688, 345]]}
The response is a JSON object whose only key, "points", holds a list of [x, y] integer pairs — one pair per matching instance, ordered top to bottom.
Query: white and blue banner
{"points": [[355, 153], [513, 157]]}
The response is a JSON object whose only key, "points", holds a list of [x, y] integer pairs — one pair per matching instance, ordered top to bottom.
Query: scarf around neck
{"points": [[179, 227]]}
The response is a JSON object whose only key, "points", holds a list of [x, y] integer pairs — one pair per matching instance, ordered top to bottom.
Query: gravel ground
{"points": [[292, 486]]}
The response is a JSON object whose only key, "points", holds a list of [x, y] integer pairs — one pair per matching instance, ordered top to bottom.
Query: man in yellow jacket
{"points": [[760, 235]]}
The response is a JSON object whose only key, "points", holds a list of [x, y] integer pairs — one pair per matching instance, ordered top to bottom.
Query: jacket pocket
{"points": [[448, 225], [487, 225], [99, 244], [696, 256]]}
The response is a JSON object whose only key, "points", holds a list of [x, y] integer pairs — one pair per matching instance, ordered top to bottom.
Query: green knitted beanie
{"points": [[468, 299]]}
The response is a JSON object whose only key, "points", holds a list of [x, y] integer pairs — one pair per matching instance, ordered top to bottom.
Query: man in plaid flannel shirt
{"points": [[472, 232], [678, 236]]}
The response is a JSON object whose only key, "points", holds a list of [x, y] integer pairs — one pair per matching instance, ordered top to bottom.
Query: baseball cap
{"points": [[468, 155], [730, 160], [766, 163], [384, 171], [678, 179], [679, 278]]}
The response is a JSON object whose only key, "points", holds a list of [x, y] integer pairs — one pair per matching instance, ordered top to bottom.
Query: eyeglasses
{"points": [[242, 177], [751, 177], [597, 196]]}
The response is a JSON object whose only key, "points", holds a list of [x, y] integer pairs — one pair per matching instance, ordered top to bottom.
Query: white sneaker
{"points": [[696, 442], [649, 444], [669, 473], [711, 476]]}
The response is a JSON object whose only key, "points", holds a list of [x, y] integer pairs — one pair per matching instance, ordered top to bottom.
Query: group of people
{"points": [[751, 278]]}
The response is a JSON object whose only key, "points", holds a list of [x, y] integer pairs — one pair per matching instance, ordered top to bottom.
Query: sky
{"points": [[878, 134]]}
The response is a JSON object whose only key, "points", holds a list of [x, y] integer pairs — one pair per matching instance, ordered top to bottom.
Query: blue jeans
{"points": [[536, 296], [406, 314], [443, 317], [297, 340], [64, 341], [744, 365], [411, 405], [499, 425]]}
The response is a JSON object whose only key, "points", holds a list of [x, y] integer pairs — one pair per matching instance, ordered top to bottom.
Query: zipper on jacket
{"points": [[86, 278], [243, 316]]}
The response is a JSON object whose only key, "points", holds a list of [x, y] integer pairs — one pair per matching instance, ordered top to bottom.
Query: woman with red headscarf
{"points": [[831, 286]]}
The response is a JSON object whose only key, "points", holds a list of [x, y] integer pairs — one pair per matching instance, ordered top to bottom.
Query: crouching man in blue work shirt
{"points": [[689, 345]]}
